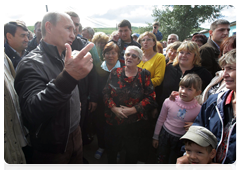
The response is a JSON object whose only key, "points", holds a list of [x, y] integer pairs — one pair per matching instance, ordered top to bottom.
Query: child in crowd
{"points": [[175, 118], [200, 145]]}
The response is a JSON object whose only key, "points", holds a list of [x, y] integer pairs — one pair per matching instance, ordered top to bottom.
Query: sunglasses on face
{"points": [[129, 54]]}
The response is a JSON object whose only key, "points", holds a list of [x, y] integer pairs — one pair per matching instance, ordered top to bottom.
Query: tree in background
{"points": [[184, 19]]}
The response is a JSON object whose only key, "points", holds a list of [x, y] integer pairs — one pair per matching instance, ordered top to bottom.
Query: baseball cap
{"points": [[201, 136]]}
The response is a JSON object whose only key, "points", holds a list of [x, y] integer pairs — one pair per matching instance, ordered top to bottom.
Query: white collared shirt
{"points": [[104, 66]]}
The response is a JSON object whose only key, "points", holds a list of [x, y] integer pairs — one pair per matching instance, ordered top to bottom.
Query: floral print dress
{"points": [[137, 91]]}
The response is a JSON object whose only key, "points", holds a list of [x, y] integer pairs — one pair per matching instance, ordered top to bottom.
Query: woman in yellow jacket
{"points": [[152, 60], [155, 63]]}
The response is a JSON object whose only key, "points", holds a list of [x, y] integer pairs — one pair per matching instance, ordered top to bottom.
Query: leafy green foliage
{"points": [[183, 19], [31, 28]]}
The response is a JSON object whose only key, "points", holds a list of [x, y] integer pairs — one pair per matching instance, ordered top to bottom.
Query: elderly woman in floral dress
{"points": [[129, 96]]}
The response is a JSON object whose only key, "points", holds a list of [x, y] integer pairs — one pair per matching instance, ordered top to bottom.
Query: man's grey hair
{"points": [[53, 18], [218, 22], [89, 30], [174, 35], [137, 49]]}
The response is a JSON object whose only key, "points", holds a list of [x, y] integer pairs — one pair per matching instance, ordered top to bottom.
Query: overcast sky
{"points": [[104, 15]]}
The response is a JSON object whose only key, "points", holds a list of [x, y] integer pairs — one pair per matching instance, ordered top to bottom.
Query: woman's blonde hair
{"points": [[150, 35], [111, 36], [100, 37], [174, 46], [192, 47]]}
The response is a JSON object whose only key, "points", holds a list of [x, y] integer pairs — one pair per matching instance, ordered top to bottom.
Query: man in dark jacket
{"points": [[125, 31], [16, 36], [38, 36], [210, 51], [46, 82], [88, 86]]}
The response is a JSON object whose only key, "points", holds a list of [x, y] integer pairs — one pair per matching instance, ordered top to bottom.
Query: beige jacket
{"points": [[218, 77], [14, 133]]}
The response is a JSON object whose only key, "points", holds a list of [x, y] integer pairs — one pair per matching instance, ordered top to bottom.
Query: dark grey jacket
{"points": [[120, 43], [209, 55]]}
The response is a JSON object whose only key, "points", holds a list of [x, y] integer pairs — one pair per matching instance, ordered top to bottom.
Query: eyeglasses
{"points": [[143, 40], [129, 54]]}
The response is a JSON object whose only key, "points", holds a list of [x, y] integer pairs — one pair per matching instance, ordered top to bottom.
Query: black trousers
{"points": [[127, 137], [73, 154]]}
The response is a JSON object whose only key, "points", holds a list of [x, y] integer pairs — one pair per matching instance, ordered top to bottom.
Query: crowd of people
{"points": [[162, 102]]}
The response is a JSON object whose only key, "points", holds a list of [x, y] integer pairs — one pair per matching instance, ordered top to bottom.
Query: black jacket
{"points": [[120, 43], [32, 44], [15, 58], [172, 78], [44, 91]]}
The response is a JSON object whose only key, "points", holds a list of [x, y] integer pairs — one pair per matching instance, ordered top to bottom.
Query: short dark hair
{"points": [[218, 22], [125, 23], [156, 23], [35, 25], [11, 27], [201, 37], [189, 142]]}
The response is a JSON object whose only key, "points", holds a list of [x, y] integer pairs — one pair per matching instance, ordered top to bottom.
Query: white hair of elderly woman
{"points": [[137, 49]]}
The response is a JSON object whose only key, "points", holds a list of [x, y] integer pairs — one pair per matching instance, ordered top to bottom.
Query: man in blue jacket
{"points": [[156, 32]]}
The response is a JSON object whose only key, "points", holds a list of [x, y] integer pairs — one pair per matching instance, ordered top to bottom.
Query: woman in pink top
{"points": [[175, 118]]}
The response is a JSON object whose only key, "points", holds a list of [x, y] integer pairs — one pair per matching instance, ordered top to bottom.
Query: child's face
{"points": [[187, 94], [199, 155]]}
